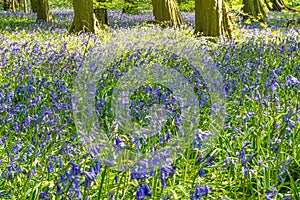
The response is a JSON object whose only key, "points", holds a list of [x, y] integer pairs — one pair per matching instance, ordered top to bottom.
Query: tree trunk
{"points": [[17, 4], [267, 4], [6, 5], [34, 5], [279, 5], [13, 6], [25, 6], [131, 7], [254, 8], [43, 11], [166, 12], [101, 14], [83, 16], [211, 18]]}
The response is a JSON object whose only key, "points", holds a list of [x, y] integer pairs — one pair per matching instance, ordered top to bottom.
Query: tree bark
{"points": [[267, 4], [6, 5], [25, 5], [34, 5], [279, 5], [13, 7], [254, 8], [43, 11], [166, 12], [101, 14], [83, 16], [211, 18]]}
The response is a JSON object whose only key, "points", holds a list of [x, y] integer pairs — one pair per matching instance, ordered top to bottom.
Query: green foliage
{"points": [[294, 2], [61, 4], [121, 4], [186, 5], [255, 114]]}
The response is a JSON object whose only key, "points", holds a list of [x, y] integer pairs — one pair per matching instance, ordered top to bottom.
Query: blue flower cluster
{"points": [[41, 152]]}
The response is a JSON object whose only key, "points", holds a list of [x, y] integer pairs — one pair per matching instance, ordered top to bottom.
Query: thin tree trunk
{"points": [[267, 4], [6, 5], [17, 5], [25, 5], [34, 5], [279, 5], [13, 6], [254, 8], [43, 11], [166, 12], [101, 14], [83, 16], [211, 18], [226, 23]]}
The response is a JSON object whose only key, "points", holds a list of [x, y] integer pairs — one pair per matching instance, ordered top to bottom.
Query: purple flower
{"points": [[291, 80], [118, 140], [108, 163], [50, 167], [75, 168], [98, 168], [167, 171], [246, 171], [139, 173], [201, 173], [28, 174], [63, 180], [58, 190], [77, 190], [143, 191], [200, 191], [270, 194], [44, 195], [166, 196], [287, 198]]}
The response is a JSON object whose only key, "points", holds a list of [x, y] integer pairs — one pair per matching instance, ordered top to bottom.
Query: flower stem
{"points": [[101, 184]]}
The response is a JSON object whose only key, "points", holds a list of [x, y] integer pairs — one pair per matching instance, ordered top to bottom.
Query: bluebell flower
{"points": [[291, 80], [118, 140], [251, 157], [227, 160], [108, 163], [50, 167], [75, 168], [98, 168], [167, 171], [246, 171], [139, 173], [201, 173], [3, 174], [28, 174], [69, 176], [117, 179], [63, 180], [163, 183], [59, 191], [143, 191], [200, 191], [78, 194], [270, 194], [44, 195], [168, 196], [287, 198]]}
